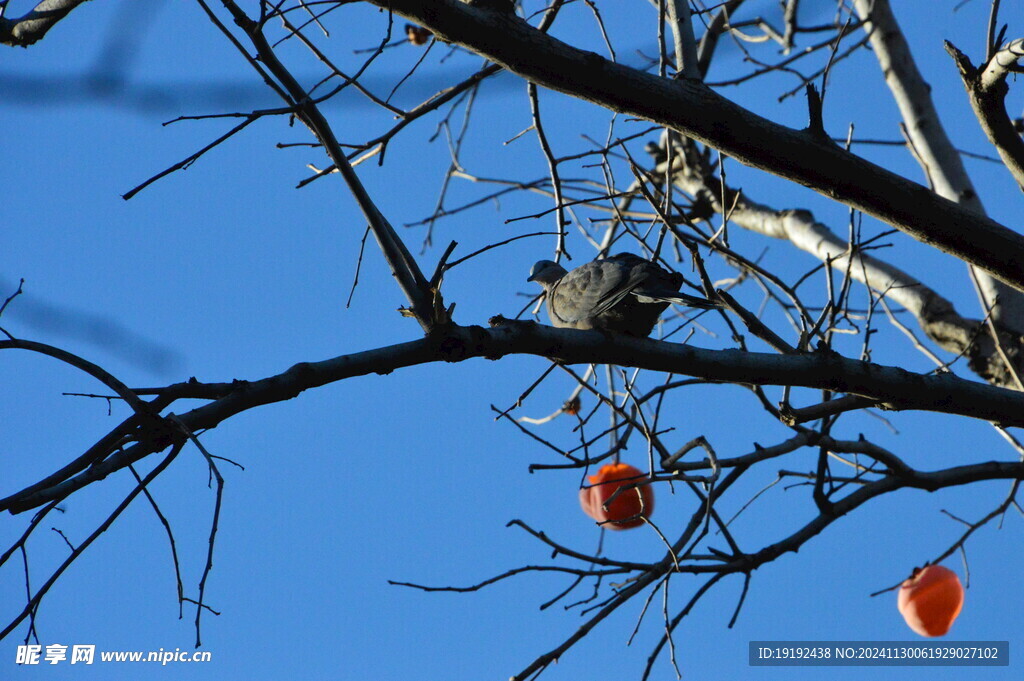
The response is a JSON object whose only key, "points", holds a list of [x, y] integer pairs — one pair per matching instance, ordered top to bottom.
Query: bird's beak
{"points": [[532, 277]]}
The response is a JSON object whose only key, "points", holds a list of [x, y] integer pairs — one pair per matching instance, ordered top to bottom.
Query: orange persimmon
{"points": [[624, 511], [930, 599]]}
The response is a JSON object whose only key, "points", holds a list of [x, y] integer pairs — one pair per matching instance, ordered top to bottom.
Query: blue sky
{"points": [[226, 271]]}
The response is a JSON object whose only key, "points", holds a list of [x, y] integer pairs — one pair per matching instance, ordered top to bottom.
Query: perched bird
{"points": [[622, 293]]}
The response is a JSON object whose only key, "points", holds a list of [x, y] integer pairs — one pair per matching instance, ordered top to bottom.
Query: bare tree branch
{"points": [[987, 90], [693, 109], [403, 266], [934, 314]]}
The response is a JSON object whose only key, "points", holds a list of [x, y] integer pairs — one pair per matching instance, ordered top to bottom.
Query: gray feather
{"points": [[622, 293]]}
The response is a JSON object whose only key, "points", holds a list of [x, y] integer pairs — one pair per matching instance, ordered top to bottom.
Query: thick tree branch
{"points": [[26, 30], [695, 110], [889, 387], [892, 387]]}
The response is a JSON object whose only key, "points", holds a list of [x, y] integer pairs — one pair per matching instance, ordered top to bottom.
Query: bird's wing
{"points": [[619, 281], [660, 285], [589, 290]]}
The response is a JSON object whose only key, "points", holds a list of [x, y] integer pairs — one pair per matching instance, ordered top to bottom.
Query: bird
{"points": [[623, 293]]}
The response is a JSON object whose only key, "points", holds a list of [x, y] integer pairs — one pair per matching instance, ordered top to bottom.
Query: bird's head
{"points": [[546, 273]]}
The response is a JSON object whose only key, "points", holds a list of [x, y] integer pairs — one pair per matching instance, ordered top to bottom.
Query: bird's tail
{"points": [[675, 298]]}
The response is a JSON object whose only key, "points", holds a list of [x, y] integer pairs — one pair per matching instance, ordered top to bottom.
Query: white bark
{"points": [[26, 30], [1003, 62], [935, 152], [935, 315]]}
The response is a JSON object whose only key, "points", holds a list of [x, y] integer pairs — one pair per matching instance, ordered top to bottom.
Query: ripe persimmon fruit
{"points": [[628, 509], [930, 599]]}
